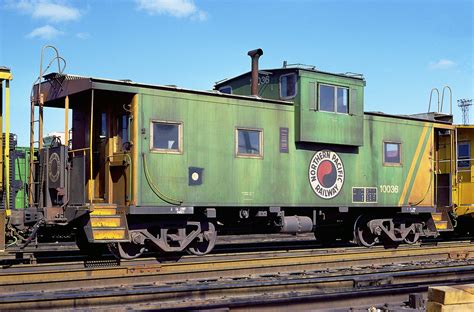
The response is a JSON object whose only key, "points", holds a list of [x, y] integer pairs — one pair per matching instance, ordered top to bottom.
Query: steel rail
{"points": [[226, 243], [68, 251], [242, 265], [257, 290]]}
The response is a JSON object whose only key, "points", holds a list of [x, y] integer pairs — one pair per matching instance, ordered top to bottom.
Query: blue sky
{"points": [[403, 48]]}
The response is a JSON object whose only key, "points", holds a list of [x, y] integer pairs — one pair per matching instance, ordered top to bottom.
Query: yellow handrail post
{"points": [[5, 75], [7, 143]]}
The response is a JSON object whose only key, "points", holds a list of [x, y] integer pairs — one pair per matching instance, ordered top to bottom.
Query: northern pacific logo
{"points": [[326, 174]]}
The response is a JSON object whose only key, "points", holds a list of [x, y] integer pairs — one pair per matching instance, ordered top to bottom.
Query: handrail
{"points": [[431, 95], [450, 99], [40, 101], [79, 150]]}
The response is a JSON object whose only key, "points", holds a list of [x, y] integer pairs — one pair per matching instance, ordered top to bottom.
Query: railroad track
{"points": [[68, 251], [235, 280]]}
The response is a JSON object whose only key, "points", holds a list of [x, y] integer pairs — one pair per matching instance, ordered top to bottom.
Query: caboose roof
{"points": [[293, 68], [57, 86]]}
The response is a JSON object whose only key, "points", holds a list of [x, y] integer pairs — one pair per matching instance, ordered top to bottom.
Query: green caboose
{"points": [[281, 150]]}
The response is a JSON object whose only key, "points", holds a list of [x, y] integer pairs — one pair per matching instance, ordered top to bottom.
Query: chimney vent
{"points": [[254, 55]]}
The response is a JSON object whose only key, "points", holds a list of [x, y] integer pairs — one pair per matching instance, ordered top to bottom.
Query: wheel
{"points": [[362, 234], [412, 238], [205, 241], [126, 250]]}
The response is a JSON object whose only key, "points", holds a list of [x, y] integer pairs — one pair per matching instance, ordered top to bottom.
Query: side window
{"points": [[287, 86], [225, 89], [326, 98], [333, 99], [342, 100], [123, 123], [103, 126], [166, 137], [249, 143], [392, 154], [464, 155]]}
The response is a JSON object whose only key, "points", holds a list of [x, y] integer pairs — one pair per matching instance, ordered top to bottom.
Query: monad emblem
{"points": [[326, 174]]}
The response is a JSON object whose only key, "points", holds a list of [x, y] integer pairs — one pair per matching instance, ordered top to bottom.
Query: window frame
{"points": [[226, 86], [296, 86], [335, 98], [180, 137], [236, 143], [468, 158], [391, 164]]}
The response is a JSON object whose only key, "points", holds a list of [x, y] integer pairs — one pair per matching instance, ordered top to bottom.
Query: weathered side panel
{"points": [[208, 143], [280, 179], [393, 182], [419, 186]]}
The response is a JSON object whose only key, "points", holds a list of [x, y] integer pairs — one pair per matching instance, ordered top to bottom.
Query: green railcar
{"points": [[281, 150]]}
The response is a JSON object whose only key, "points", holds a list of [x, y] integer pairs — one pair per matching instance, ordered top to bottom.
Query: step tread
{"points": [[103, 205], [104, 212], [438, 216], [107, 222], [441, 225], [100, 228], [111, 240]]}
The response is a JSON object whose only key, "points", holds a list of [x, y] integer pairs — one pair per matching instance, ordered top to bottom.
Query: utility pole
{"points": [[464, 105]]}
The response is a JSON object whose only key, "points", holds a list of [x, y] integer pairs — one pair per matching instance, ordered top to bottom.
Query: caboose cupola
{"points": [[329, 107]]}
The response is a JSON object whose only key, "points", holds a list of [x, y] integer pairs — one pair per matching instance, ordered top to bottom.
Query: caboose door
{"points": [[111, 154], [119, 161], [443, 167], [464, 181]]}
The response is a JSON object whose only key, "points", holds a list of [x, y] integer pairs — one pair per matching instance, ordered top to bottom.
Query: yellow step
{"points": [[103, 205], [103, 211], [437, 216], [101, 221], [441, 225], [109, 233]]}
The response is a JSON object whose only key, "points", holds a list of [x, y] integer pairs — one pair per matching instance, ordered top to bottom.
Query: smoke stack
{"points": [[255, 54]]}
